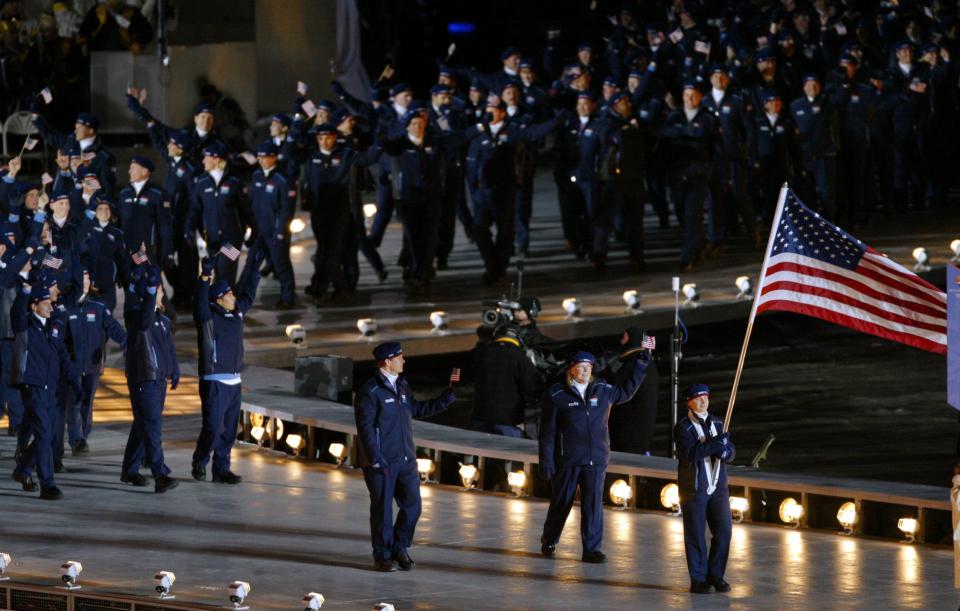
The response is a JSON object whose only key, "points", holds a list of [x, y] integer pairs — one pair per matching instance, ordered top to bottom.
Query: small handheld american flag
{"points": [[30, 143], [46, 179], [230, 252], [139, 258], [52, 262], [649, 342], [454, 376]]}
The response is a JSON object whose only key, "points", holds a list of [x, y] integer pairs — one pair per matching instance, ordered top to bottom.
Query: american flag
{"points": [[30, 143], [229, 251], [139, 258], [52, 262], [817, 269], [648, 342]]}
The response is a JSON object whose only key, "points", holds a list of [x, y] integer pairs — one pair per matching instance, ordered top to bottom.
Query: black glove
{"points": [[206, 266], [174, 381]]}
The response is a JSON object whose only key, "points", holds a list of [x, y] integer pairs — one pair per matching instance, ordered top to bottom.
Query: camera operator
{"points": [[526, 319], [505, 383], [632, 424]]}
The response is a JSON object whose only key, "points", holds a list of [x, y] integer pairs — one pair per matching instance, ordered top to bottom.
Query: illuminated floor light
{"points": [[571, 305], [338, 451], [425, 467], [469, 475], [518, 482], [620, 493], [670, 498], [739, 506], [791, 512], [847, 516], [908, 526]]}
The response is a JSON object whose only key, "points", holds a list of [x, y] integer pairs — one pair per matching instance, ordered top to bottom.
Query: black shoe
{"points": [[382, 275], [311, 290], [283, 305], [82, 447], [58, 466], [199, 473], [227, 477], [133, 478], [26, 482], [164, 483], [51, 494], [547, 549], [596, 557], [405, 561], [384, 566], [719, 584], [700, 587]]}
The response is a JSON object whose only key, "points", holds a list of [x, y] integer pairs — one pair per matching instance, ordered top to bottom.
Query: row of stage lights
{"points": [[440, 320], [621, 493], [163, 581]]}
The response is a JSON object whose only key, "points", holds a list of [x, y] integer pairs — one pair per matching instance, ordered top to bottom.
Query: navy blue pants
{"points": [[690, 192], [495, 207], [524, 210], [384, 211], [279, 252], [9, 395], [146, 399], [220, 404], [40, 409], [80, 414], [401, 482], [563, 490], [698, 513]]}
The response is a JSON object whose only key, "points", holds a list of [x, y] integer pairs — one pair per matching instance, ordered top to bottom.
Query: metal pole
{"points": [[675, 356]]}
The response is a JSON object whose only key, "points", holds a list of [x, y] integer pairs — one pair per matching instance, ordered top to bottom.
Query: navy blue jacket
{"points": [[733, 118], [816, 126], [195, 142], [690, 142], [578, 149], [495, 156], [180, 176], [271, 203], [221, 211], [146, 218], [106, 256], [89, 324], [219, 332], [150, 353], [40, 356], [385, 420], [574, 431], [691, 451]]}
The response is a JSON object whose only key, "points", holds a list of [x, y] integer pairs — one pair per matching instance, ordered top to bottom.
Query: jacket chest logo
{"points": [[225, 189], [91, 316], [594, 402]]}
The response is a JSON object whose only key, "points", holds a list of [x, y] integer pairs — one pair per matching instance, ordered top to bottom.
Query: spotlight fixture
{"points": [[297, 225], [955, 249], [922, 258], [744, 287], [691, 295], [632, 300], [571, 305], [439, 320], [367, 327], [296, 334], [256, 419], [277, 429], [258, 433], [296, 443], [338, 451], [425, 467], [469, 475], [518, 482], [620, 493], [670, 498], [739, 506], [791, 512], [847, 516], [908, 526], [5, 562], [70, 575], [163, 583], [238, 591], [313, 601], [384, 607]]}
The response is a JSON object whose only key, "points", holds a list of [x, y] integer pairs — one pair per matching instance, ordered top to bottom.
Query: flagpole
{"points": [[781, 199]]}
